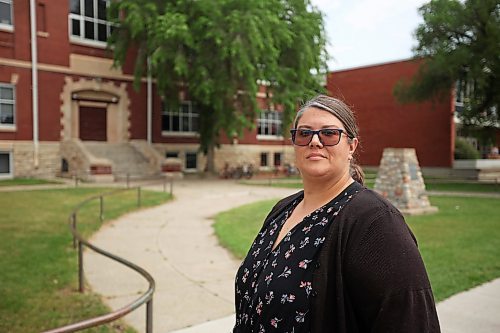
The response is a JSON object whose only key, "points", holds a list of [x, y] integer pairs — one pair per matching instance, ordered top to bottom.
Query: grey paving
{"points": [[175, 242], [194, 275]]}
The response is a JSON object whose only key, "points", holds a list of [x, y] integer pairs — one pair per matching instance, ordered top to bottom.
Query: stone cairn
{"points": [[400, 180]]}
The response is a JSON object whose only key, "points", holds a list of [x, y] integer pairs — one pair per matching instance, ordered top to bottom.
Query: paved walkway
{"points": [[176, 244], [195, 276]]}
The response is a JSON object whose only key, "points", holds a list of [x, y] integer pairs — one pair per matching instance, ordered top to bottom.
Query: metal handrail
{"points": [[80, 242]]}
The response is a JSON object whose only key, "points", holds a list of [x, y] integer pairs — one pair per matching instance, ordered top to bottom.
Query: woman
{"points": [[335, 257]]}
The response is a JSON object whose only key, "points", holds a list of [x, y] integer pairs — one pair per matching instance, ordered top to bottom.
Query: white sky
{"points": [[365, 32]]}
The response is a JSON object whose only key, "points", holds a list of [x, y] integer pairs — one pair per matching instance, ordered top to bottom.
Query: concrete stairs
{"points": [[125, 158]]}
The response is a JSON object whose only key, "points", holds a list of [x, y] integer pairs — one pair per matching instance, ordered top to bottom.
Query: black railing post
{"points": [[139, 196], [101, 208], [73, 224], [80, 267], [149, 316]]}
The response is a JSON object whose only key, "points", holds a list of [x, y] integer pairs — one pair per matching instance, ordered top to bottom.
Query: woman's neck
{"points": [[318, 192]]}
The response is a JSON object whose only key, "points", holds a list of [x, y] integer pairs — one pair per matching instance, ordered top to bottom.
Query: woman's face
{"points": [[316, 160]]}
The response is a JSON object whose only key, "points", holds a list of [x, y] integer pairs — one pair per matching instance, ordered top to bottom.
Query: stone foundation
{"points": [[234, 155], [23, 158], [400, 180]]}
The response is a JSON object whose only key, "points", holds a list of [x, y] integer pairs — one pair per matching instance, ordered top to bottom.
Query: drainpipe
{"points": [[34, 79], [150, 102]]}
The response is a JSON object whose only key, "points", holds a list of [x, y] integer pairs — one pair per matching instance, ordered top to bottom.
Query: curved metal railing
{"points": [[79, 242]]}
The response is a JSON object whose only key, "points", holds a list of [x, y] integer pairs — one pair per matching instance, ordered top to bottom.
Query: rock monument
{"points": [[400, 180]]}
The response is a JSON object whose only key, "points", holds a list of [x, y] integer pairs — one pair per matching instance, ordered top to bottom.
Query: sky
{"points": [[366, 32]]}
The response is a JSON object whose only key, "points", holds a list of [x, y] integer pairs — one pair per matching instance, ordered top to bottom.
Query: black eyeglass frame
{"points": [[293, 132]]}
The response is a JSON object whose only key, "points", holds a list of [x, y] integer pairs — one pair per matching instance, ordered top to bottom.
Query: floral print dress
{"points": [[274, 286]]}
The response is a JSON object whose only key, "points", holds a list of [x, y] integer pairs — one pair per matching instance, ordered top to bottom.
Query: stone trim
{"points": [[118, 114]]}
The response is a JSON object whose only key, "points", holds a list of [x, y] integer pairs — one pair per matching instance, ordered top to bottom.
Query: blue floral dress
{"points": [[274, 286]]}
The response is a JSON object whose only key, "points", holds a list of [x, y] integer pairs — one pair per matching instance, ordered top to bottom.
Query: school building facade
{"points": [[65, 110]]}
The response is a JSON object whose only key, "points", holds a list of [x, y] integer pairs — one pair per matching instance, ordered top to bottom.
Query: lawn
{"points": [[26, 181], [430, 185], [460, 244], [38, 283]]}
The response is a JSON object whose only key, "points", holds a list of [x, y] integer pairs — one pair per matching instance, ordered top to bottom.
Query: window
{"points": [[6, 15], [87, 20], [463, 91], [7, 105], [184, 119], [270, 123], [172, 154], [263, 159], [277, 159], [191, 161], [5, 164]]}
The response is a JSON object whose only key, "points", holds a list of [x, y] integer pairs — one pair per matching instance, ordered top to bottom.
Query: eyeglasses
{"points": [[327, 136]]}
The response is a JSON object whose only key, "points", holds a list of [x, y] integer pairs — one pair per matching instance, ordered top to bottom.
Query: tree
{"points": [[459, 43], [219, 50]]}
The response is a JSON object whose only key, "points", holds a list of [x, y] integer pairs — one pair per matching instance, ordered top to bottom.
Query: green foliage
{"points": [[459, 41], [219, 50], [464, 150], [459, 244], [38, 283]]}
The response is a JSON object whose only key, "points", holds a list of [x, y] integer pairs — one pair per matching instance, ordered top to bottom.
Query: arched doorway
{"points": [[95, 111]]}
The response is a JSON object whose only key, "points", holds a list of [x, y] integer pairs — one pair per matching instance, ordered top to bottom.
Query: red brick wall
{"points": [[53, 43], [50, 86], [138, 111], [23, 115], [383, 122]]}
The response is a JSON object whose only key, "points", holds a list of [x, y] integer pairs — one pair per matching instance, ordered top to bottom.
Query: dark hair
{"points": [[340, 110]]}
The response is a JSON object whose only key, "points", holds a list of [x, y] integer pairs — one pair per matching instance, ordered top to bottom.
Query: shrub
{"points": [[464, 150]]}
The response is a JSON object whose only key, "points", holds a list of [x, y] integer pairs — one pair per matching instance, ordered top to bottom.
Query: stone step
{"points": [[125, 158]]}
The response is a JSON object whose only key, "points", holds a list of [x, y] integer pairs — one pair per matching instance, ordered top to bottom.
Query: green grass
{"points": [[26, 181], [431, 185], [462, 187], [460, 244], [38, 280]]}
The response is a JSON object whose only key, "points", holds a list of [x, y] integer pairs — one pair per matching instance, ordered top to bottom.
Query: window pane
{"points": [[74, 6], [89, 8], [101, 9], [5, 17], [75, 27], [89, 30], [102, 32], [7, 93], [185, 108], [7, 114], [165, 123], [175, 123], [185, 124], [194, 124], [174, 154], [263, 159], [277, 159], [191, 160], [4, 163]]}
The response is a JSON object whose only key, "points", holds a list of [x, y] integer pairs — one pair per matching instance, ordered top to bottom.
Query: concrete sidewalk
{"points": [[195, 276]]}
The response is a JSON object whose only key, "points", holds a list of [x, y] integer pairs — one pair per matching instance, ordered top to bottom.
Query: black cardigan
{"points": [[369, 276]]}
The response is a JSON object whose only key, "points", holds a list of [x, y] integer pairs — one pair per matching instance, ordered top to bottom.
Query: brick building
{"points": [[65, 110], [428, 127]]}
